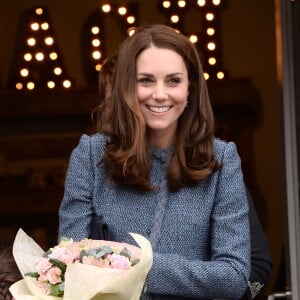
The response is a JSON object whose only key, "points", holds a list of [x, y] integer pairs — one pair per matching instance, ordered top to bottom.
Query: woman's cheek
{"points": [[143, 94]]}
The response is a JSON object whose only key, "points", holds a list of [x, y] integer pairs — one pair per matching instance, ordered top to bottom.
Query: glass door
{"points": [[289, 77]]}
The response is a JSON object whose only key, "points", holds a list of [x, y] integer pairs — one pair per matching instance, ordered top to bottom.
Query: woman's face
{"points": [[162, 91]]}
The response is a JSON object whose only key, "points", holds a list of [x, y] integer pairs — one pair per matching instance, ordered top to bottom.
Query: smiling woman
{"points": [[157, 170]]}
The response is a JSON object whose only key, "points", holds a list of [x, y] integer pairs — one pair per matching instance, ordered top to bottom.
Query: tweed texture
{"points": [[202, 244]]}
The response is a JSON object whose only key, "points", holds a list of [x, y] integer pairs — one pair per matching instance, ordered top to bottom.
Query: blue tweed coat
{"points": [[203, 247]]}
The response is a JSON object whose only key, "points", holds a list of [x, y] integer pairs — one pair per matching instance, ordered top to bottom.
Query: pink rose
{"points": [[62, 254], [89, 260], [119, 261], [43, 265], [53, 275], [43, 277], [43, 287]]}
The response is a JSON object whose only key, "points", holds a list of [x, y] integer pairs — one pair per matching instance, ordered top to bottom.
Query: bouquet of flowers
{"points": [[86, 269]]}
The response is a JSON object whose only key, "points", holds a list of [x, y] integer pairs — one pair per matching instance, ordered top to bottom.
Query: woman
{"points": [[157, 170], [261, 262]]}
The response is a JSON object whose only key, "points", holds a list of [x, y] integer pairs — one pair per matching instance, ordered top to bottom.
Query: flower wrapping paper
{"points": [[84, 282]]}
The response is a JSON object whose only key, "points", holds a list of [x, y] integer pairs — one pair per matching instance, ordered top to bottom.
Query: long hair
{"points": [[101, 113], [127, 158], [9, 272]]}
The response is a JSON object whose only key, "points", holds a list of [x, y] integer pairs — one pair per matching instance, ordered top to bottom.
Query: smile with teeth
{"points": [[159, 109]]}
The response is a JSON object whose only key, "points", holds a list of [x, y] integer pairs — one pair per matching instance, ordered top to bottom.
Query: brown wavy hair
{"points": [[102, 111], [127, 154], [9, 272]]}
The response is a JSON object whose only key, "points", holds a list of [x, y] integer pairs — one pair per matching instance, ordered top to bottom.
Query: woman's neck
{"points": [[160, 140]]}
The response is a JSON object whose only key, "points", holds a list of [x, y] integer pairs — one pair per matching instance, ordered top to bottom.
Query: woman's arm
{"points": [[76, 211], [226, 273]]}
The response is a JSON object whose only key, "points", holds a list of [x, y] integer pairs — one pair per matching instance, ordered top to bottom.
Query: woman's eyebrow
{"points": [[144, 74], [168, 75]]}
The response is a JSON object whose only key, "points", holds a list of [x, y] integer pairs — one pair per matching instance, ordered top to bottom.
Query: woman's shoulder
{"points": [[96, 139], [93, 144], [221, 147]]}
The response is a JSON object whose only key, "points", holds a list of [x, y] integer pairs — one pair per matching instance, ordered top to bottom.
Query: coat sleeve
{"points": [[76, 211], [261, 262], [226, 273]]}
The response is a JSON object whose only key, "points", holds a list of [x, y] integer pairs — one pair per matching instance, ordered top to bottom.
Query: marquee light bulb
{"points": [[201, 2], [216, 2], [181, 3], [166, 4], [106, 8], [122, 10], [39, 11], [209, 16], [130, 19], [175, 19], [34, 26], [45, 26], [95, 30], [131, 31], [210, 31], [194, 38], [49, 41], [31, 42], [96, 42], [211, 46], [96, 55], [39, 56], [53, 56], [27, 57], [212, 61], [98, 67], [57, 71], [24, 72], [220, 75], [51, 84], [67, 84], [30, 85], [19, 86]]}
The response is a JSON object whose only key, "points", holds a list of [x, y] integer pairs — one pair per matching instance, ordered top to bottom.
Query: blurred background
{"points": [[50, 55]]}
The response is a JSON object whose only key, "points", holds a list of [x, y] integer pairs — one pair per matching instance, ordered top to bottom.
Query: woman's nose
{"points": [[160, 93]]}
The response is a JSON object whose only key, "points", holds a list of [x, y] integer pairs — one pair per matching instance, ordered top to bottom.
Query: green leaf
{"points": [[65, 239], [107, 249], [92, 252], [126, 252], [82, 254], [100, 254], [135, 261], [58, 263], [32, 274], [56, 290]]}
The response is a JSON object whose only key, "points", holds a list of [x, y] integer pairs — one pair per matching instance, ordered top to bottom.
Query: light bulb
{"points": [[201, 2], [106, 8], [122, 10], [209, 16], [175, 19], [34, 26], [95, 30], [24, 72], [51, 84], [67, 84], [30, 85]]}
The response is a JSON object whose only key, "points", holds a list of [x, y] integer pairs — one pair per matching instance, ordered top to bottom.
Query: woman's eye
{"points": [[144, 80], [174, 81]]}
